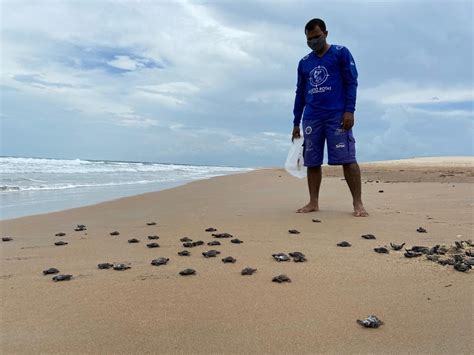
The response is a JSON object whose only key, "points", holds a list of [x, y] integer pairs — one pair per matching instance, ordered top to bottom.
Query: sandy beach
{"points": [[426, 307]]}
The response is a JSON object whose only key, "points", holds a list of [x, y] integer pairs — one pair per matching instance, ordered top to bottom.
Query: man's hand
{"points": [[347, 121], [296, 133]]}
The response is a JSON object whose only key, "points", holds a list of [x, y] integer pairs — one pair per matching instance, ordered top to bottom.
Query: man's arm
{"points": [[349, 79], [299, 98]]}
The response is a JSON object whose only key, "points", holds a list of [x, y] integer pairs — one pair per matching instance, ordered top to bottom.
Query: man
{"points": [[326, 92]]}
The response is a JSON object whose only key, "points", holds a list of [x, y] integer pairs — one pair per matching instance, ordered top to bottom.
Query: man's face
{"points": [[315, 33]]}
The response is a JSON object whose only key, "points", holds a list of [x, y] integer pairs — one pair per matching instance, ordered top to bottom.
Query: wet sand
{"points": [[426, 307]]}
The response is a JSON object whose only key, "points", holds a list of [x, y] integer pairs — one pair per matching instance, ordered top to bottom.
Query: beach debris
{"points": [[381, 191], [315, 220], [151, 223], [80, 228], [210, 229], [421, 230], [293, 231], [114, 233], [60, 234], [222, 235], [153, 237], [6, 239], [185, 239], [133, 240], [236, 241], [214, 242], [61, 243], [344, 244], [153, 245], [397, 246], [381, 250], [184, 253], [211, 253], [411, 254], [281, 257], [229, 259], [159, 261], [103, 266], [461, 266], [121, 267], [50, 271], [247, 271], [186, 272], [65, 277], [281, 278], [370, 322]]}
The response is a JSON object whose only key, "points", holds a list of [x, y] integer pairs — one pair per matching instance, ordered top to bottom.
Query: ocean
{"points": [[38, 185]]}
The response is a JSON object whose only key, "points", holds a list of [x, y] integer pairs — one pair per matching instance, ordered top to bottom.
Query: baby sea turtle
{"points": [[380, 191], [316, 220], [151, 223], [80, 228], [210, 229], [421, 230], [293, 231], [114, 233], [60, 234], [222, 235], [368, 236], [153, 237], [6, 239], [185, 239], [133, 240], [236, 241], [198, 242], [214, 242], [469, 242], [61, 243], [343, 244], [458, 244], [153, 245], [188, 245], [397, 246], [420, 249], [381, 250], [469, 252], [184, 253], [211, 253], [296, 254], [411, 254], [281, 257], [434, 258], [229, 259], [299, 259], [160, 261], [446, 261], [469, 261], [105, 266], [121, 267], [462, 267], [50, 271], [248, 271], [186, 272], [62, 277], [281, 278], [370, 322]]}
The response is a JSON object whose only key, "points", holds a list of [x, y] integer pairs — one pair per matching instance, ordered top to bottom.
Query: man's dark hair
{"points": [[313, 23]]}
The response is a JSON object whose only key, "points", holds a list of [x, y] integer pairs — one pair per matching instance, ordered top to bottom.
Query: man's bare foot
{"points": [[310, 207], [359, 210]]}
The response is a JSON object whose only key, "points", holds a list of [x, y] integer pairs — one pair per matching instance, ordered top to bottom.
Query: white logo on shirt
{"points": [[318, 75]]}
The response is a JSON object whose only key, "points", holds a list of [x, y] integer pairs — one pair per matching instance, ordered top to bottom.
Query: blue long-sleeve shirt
{"points": [[325, 85]]}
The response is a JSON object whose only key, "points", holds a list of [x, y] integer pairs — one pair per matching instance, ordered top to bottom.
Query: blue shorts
{"points": [[340, 143]]}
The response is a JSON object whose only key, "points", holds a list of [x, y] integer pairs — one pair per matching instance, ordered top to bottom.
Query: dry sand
{"points": [[426, 307]]}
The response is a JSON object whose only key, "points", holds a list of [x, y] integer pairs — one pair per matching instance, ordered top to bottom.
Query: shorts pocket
{"points": [[351, 145]]}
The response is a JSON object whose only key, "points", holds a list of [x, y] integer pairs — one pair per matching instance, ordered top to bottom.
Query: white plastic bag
{"points": [[294, 162]]}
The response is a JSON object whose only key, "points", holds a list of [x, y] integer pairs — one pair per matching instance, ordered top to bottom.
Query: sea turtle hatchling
{"points": [[316, 220], [151, 223], [210, 229], [421, 230], [293, 231], [114, 233], [60, 234], [222, 235], [368, 236], [153, 237], [6, 239], [185, 239], [133, 240], [236, 241], [197, 242], [214, 242], [61, 243], [188, 244], [343, 244], [153, 245], [397, 246], [420, 249], [381, 250], [184, 253], [211, 253], [296, 254], [411, 254], [281, 257], [434, 258], [229, 259], [299, 259], [160, 261], [446, 261], [103, 266], [121, 267], [463, 267], [50, 271], [247, 271], [186, 272], [65, 277], [281, 278], [370, 322]]}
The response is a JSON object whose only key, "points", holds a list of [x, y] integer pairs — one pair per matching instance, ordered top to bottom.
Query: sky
{"points": [[213, 82]]}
